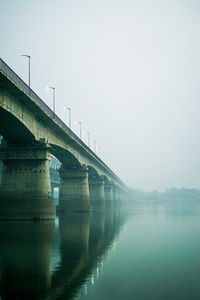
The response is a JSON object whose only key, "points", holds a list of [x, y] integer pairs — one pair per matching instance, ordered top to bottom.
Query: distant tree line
{"points": [[168, 194]]}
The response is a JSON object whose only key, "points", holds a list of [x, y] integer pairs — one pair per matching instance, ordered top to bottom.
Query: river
{"points": [[149, 250]]}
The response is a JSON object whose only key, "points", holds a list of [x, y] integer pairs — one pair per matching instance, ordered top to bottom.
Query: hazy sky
{"points": [[129, 70]]}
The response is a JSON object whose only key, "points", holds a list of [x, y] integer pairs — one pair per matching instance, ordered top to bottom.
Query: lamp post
{"points": [[29, 68], [53, 89], [69, 109], [80, 130], [88, 134], [94, 146], [99, 151], [103, 156]]}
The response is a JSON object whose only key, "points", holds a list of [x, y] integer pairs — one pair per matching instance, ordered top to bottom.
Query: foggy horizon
{"points": [[129, 71]]}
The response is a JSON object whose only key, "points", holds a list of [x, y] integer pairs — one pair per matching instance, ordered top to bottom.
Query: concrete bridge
{"points": [[32, 132]]}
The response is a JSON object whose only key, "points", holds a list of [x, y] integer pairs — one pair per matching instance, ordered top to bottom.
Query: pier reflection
{"points": [[84, 239], [29, 249], [24, 259]]}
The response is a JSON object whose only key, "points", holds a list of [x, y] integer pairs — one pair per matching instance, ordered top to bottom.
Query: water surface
{"points": [[146, 251]]}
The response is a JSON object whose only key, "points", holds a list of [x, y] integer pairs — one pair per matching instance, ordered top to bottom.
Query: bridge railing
{"points": [[23, 86], [27, 90]]}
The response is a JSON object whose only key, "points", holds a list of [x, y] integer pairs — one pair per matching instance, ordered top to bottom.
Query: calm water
{"points": [[148, 251]]}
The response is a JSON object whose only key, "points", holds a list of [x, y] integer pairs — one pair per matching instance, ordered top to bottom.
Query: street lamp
{"points": [[29, 68], [53, 89], [69, 109], [80, 129], [88, 134], [94, 146], [99, 151], [103, 156]]}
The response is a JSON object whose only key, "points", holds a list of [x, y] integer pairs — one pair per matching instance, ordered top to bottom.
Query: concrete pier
{"points": [[74, 189], [25, 190], [108, 192], [115, 195], [120, 196], [97, 197]]}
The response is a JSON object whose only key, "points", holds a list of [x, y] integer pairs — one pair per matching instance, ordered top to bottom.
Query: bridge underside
{"points": [[12, 129], [30, 137], [25, 191]]}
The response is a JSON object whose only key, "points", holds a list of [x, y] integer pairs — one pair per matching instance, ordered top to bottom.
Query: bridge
{"points": [[32, 132]]}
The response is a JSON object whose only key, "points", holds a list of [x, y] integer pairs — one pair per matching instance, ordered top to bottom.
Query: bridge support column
{"points": [[74, 189], [25, 191], [108, 192], [115, 195], [122, 195], [119, 196], [97, 197]]}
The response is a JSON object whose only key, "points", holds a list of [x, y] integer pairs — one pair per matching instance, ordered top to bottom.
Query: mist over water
{"points": [[129, 73], [147, 250]]}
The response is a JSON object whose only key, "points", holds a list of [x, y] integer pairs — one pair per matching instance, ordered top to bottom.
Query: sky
{"points": [[130, 72]]}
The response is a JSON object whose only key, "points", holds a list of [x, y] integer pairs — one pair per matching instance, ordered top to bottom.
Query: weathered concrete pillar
{"points": [[74, 189], [25, 191], [108, 192], [115, 195], [119, 196], [122, 196], [97, 197]]}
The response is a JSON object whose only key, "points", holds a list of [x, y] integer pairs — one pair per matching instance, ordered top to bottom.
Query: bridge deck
{"points": [[10, 81]]}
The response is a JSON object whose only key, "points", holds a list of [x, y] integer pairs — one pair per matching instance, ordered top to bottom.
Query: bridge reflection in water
{"points": [[39, 262]]}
